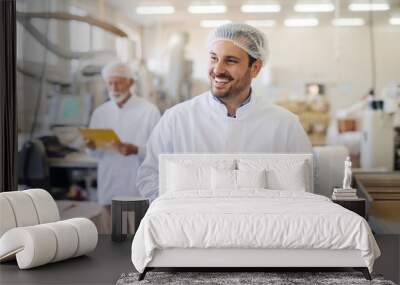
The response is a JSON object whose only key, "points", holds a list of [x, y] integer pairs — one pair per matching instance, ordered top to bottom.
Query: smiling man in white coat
{"points": [[228, 118], [133, 119]]}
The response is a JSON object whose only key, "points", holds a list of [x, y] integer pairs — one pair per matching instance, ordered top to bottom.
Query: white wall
{"points": [[337, 57]]}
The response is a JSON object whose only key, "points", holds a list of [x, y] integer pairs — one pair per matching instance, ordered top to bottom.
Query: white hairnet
{"points": [[248, 38], [117, 69]]}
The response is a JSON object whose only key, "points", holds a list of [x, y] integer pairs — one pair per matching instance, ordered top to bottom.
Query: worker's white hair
{"points": [[117, 69]]}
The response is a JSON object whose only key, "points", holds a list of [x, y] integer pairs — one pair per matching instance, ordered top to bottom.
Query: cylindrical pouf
{"points": [[45, 205], [23, 208], [7, 218], [87, 235], [67, 239], [40, 244], [34, 246]]}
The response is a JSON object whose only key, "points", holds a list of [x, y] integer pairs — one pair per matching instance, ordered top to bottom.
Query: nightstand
{"points": [[356, 205], [120, 206]]}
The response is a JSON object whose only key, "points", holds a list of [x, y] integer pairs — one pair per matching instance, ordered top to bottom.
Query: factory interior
{"points": [[334, 64]]}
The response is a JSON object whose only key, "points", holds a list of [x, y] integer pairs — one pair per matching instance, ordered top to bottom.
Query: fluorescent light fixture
{"points": [[316, 7], [361, 7], [260, 8], [207, 9], [153, 10], [394, 21], [301, 22], [348, 22], [213, 23], [261, 23]]}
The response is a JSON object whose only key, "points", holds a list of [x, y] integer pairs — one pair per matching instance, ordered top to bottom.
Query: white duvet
{"points": [[250, 219]]}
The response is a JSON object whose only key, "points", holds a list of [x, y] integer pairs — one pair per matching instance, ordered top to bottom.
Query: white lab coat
{"points": [[133, 124], [201, 125]]}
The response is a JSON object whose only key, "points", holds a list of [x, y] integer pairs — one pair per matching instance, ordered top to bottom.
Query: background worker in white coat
{"points": [[228, 118], [133, 119]]}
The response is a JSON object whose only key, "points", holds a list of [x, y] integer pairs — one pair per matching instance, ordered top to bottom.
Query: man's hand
{"points": [[90, 144], [126, 148]]}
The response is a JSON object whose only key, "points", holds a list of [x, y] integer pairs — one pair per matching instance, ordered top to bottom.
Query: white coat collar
{"points": [[241, 112]]}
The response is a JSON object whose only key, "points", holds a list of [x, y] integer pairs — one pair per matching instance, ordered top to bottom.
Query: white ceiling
{"points": [[181, 16]]}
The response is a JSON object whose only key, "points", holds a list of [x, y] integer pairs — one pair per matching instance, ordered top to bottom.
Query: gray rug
{"points": [[229, 278]]}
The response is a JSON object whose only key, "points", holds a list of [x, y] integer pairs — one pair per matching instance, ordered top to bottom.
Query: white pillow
{"points": [[187, 174], [282, 174], [183, 177], [251, 178], [223, 179], [237, 179], [293, 180]]}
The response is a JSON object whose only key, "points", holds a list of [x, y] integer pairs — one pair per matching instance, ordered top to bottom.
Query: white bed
{"points": [[198, 223]]}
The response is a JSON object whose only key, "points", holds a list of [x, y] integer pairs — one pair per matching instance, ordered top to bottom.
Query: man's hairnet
{"points": [[244, 36], [117, 69]]}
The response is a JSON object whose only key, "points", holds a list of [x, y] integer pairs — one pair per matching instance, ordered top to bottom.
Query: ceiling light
{"points": [[317, 7], [360, 7], [260, 8], [207, 9], [152, 10], [394, 21], [301, 22], [348, 22], [213, 23], [261, 23]]}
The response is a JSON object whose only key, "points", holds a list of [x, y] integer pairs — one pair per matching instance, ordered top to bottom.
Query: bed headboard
{"points": [[164, 159]]}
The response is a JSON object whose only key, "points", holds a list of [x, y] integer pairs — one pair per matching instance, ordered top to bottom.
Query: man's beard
{"points": [[234, 90], [118, 97]]}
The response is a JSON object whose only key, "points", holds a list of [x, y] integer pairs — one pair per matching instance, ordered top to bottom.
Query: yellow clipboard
{"points": [[102, 138]]}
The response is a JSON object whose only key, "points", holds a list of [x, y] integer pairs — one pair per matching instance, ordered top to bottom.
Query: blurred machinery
{"points": [[172, 77], [177, 79], [167, 80], [67, 92], [62, 97], [313, 112], [380, 127], [370, 129], [377, 141]]}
